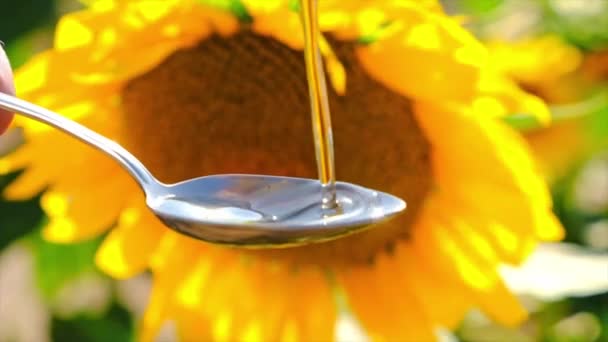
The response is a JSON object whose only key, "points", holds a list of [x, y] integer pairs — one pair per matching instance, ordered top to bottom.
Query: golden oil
{"points": [[321, 118]]}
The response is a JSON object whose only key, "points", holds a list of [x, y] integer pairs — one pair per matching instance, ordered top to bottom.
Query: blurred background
{"points": [[556, 49]]}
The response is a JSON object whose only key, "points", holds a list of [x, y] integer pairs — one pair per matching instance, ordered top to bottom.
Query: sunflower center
{"points": [[240, 104]]}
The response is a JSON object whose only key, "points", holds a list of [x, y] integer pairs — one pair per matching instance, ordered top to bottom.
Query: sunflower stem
{"points": [[528, 122]]}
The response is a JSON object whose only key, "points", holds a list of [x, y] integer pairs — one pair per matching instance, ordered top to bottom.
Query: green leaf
{"points": [[294, 5], [236, 7], [480, 7], [21, 16], [578, 23], [376, 34], [21, 49], [593, 108], [522, 122], [598, 127], [17, 219], [573, 220], [57, 264], [598, 305], [115, 325]]}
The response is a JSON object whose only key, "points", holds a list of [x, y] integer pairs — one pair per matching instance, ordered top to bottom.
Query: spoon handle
{"points": [[111, 148]]}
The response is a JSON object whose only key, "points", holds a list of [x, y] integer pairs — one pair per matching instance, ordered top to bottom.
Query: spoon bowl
{"points": [[254, 211], [268, 211]]}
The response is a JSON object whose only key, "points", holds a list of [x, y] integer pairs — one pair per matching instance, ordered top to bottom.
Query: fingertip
{"points": [[7, 86], [5, 120]]}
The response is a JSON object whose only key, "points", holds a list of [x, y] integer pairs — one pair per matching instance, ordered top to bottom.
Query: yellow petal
{"points": [[533, 60], [430, 71], [512, 99], [487, 150], [40, 154], [74, 211], [128, 248], [180, 255], [454, 258], [432, 288], [486, 288], [501, 305], [385, 306], [314, 312], [191, 326]]}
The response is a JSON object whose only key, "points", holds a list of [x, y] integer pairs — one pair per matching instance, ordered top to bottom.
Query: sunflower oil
{"points": [[321, 118]]}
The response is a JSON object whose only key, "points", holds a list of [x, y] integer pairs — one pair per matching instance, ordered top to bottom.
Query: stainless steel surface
{"points": [[244, 210]]}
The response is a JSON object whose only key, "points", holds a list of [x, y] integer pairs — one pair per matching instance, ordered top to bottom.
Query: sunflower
{"points": [[545, 65], [563, 77], [193, 89]]}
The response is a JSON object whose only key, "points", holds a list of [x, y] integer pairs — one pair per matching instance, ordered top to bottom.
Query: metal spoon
{"points": [[246, 210]]}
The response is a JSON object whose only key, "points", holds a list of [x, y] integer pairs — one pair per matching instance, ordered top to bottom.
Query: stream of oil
{"points": [[321, 118]]}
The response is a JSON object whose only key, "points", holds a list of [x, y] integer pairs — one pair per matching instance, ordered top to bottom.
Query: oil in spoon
{"points": [[321, 117]]}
